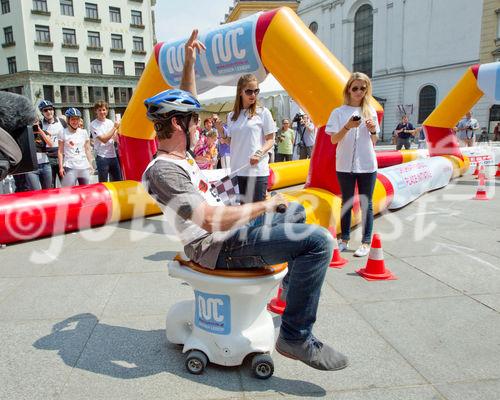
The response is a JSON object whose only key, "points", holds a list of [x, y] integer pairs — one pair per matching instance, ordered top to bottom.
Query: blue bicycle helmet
{"points": [[169, 102], [45, 104], [73, 112]]}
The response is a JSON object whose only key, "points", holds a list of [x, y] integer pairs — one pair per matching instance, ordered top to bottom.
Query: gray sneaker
{"points": [[313, 353]]}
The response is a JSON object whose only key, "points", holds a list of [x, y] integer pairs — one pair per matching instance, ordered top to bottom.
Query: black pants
{"points": [[283, 157], [252, 188]]}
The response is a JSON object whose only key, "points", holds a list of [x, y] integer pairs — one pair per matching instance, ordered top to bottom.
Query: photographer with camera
{"points": [[354, 128], [466, 130], [404, 131], [306, 136], [285, 140]]}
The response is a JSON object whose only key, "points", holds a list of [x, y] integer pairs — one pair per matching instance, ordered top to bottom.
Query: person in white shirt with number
{"points": [[354, 128], [250, 130], [104, 132], [75, 156]]}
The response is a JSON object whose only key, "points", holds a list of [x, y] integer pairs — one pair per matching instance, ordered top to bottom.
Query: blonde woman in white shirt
{"points": [[354, 128], [250, 130], [74, 153]]}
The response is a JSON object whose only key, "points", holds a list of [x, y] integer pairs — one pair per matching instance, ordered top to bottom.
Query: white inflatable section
{"points": [[412, 179]]}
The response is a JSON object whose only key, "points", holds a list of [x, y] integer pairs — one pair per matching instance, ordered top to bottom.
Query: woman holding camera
{"points": [[354, 128], [250, 130]]}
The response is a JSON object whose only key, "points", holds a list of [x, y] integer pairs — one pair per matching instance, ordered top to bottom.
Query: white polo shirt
{"points": [[248, 136], [355, 152]]}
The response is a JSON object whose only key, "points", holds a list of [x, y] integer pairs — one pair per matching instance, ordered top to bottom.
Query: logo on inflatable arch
{"points": [[232, 49], [213, 312]]}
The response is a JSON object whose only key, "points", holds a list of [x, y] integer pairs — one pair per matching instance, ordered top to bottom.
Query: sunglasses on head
{"points": [[355, 88], [249, 92]]}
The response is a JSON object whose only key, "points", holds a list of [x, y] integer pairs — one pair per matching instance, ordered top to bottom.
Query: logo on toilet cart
{"points": [[213, 312]]}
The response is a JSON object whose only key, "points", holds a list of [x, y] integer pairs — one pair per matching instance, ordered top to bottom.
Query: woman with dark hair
{"points": [[354, 128], [250, 130]]}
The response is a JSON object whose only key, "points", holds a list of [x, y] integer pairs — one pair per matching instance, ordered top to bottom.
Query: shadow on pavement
{"points": [[83, 342]]}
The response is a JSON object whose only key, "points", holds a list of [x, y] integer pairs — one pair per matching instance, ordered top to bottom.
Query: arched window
{"points": [[313, 26], [363, 40], [426, 102]]}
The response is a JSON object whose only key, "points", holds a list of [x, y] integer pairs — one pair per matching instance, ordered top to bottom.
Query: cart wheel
{"points": [[196, 361], [262, 366]]}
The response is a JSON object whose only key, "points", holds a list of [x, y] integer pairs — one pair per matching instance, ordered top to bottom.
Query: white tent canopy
{"points": [[222, 94]]}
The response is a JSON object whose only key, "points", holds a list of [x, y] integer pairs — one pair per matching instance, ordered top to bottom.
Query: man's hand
{"points": [[191, 46], [274, 201]]}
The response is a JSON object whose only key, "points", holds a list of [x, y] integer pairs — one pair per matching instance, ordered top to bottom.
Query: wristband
{"points": [[259, 154]]}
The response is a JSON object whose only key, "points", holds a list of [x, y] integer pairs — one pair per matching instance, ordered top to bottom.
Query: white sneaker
{"points": [[343, 246], [362, 250]]}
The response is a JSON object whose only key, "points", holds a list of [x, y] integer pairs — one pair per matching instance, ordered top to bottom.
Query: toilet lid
{"points": [[232, 273]]}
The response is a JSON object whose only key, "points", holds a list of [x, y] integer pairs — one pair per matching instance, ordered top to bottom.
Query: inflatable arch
{"points": [[278, 42]]}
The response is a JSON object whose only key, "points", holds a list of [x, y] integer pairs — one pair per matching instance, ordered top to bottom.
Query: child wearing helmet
{"points": [[74, 155]]}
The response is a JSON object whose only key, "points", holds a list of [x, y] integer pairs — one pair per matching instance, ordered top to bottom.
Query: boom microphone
{"points": [[16, 112]]}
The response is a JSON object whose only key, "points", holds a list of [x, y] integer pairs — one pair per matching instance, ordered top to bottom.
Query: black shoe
{"points": [[313, 353]]}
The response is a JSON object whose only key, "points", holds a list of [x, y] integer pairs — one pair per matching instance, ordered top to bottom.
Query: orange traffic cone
{"points": [[476, 171], [497, 175], [481, 189], [337, 261], [375, 266], [277, 304]]}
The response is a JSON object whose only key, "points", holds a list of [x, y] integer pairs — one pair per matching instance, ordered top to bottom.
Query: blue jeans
{"points": [[108, 166], [41, 178], [366, 184], [252, 188], [280, 238]]}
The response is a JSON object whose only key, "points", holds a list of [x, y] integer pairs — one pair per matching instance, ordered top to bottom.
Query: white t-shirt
{"points": [[98, 128], [54, 130], [248, 136], [74, 149], [355, 152]]}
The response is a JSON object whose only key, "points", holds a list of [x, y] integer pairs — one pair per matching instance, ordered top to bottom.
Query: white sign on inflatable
{"points": [[231, 52], [411, 180]]}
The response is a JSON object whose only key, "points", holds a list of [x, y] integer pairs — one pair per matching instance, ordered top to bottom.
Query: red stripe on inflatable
{"points": [[261, 28], [157, 51], [475, 69], [442, 142], [142, 150], [388, 158], [322, 168], [271, 179], [389, 189], [36, 214]]}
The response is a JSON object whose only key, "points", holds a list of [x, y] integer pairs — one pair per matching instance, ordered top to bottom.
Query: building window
{"points": [[40, 5], [5, 7], [67, 7], [91, 11], [115, 14], [136, 17], [313, 26], [42, 33], [9, 35], [69, 36], [94, 39], [363, 40], [116, 42], [138, 43], [11, 63], [45, 63], [71, 65], [95, 66], [119, 67], [139, 68], [48, 92], [97, 93], [71, 94], [122, 95], [426, 102]]}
